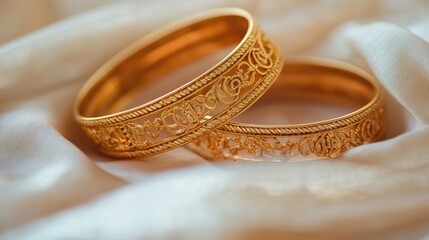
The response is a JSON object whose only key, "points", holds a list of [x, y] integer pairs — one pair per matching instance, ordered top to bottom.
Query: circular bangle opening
{"points": [[136, 69], [308, 79], [306, 92]]}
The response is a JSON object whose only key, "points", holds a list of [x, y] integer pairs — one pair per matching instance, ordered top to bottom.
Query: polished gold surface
{"points": [[312, 79], [180, 116]]}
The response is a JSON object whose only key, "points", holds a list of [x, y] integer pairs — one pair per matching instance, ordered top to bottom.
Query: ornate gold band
{"points": [[306, 78], [181, 116]]}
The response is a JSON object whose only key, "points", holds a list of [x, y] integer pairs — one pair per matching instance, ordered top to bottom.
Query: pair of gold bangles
{"points": [[199, 113]]}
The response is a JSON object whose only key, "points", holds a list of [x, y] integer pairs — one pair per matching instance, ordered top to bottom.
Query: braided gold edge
{"points": [[200, 82], [211, 124], [294, 130]]}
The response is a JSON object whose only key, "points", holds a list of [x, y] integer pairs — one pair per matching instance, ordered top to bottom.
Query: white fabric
{"points": [[54, 185]]}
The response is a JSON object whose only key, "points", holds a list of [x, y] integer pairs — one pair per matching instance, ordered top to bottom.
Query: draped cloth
{"points": [[55, 185]]}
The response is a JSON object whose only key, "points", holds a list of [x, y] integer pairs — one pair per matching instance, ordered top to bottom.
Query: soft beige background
{"points": [[53, 185]]}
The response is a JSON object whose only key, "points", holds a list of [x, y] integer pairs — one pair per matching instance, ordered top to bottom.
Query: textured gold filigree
{"points": [[180, 119], [328, 141]]}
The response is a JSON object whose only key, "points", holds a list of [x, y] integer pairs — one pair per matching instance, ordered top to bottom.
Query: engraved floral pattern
{"points": [[187, 114], [327, 144]]}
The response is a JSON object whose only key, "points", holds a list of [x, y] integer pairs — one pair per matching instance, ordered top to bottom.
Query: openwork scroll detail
{"points": [[188, 113], [326, 144]]}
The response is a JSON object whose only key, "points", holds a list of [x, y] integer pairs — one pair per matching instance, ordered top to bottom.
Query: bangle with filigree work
{"points": [[309, 79], [180, 116]]}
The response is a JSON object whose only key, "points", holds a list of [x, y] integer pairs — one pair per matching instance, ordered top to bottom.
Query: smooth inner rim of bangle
{"points": [[144, 62], [314, 79]]}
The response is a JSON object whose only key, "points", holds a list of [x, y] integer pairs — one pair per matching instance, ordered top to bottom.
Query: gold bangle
{"points": [[309, 78], [179, 117]]}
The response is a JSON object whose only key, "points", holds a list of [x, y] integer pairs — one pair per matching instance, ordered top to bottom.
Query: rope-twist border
{"points": [[301, 130]]}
